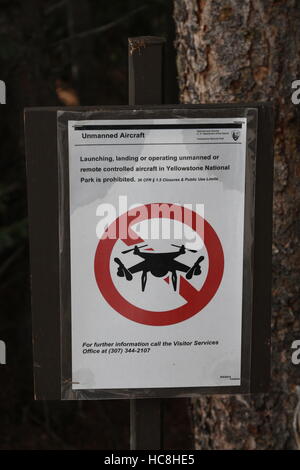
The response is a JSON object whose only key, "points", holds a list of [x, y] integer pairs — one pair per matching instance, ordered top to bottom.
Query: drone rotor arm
{"points": [[137, 267], [180, 267]]}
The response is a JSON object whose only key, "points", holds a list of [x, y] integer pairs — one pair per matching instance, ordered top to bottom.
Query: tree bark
{"points": [[239, 51]]}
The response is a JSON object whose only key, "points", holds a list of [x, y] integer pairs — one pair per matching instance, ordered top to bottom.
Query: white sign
{"points": [[157, 229]]}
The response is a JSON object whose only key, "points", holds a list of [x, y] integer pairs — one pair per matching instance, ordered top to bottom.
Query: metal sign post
{"points": [[146, 86]]}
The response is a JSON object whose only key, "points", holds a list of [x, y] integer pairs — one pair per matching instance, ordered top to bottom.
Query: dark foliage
{"points": [[56, 52]]}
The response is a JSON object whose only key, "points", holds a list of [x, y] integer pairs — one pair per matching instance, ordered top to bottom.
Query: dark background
{"points": [[62, 53]]}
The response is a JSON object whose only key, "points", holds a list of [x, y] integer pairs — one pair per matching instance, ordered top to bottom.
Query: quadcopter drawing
{"points": [[159, 265]]}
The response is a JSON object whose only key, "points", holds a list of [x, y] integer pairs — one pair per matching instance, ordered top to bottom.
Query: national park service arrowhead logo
{"points": [[235, 135]]}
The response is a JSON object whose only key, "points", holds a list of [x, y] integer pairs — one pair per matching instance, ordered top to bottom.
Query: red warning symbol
{"points": [[196, 299]]}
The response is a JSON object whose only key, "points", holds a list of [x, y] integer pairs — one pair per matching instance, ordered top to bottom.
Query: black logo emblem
{"points": [[235, 135]]}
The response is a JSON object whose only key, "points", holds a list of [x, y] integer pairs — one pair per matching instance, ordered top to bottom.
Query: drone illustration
{"points": [[159, 265]]}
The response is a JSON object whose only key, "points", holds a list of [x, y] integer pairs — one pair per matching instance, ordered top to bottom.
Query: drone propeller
{"points": [[131, 249], [192, 251], [195, 269], [122, 271]]}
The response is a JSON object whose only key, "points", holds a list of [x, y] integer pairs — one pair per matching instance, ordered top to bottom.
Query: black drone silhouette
{"points": [[159, 265]]}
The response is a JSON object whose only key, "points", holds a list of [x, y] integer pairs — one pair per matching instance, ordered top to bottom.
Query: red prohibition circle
{"points": [[199, 298]]}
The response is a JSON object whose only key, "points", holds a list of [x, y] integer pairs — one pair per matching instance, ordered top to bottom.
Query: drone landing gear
{"points": [[144, 280], [174, 280]]}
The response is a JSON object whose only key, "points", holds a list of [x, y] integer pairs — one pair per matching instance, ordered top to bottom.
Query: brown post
{"points": [[146, 70], [146, 86]]}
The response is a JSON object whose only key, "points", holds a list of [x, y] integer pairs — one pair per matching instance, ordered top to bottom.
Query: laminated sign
{"points": [[157, 212]]}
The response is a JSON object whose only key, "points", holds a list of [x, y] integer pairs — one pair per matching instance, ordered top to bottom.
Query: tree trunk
{"points": [[237, 51]]}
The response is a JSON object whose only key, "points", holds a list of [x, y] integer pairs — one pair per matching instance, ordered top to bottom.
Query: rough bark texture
{"points": [[249, 50]]}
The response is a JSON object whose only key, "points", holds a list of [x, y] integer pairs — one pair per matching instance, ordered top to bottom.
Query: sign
{"points": [[157, 248], [161, 264]]}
